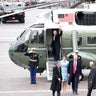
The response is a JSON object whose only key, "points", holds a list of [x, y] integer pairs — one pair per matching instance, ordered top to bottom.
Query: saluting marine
{"points": [[33, 63]]}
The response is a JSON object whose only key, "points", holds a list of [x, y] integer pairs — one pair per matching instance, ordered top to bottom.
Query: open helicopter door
{"points": [[48, 43], [50, 59]]}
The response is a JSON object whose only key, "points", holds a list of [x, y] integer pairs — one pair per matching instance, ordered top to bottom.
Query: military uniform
{"points": [[33, 63]]}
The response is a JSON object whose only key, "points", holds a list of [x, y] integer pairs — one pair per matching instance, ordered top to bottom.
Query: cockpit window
{"points": [[85, 18], [40, 25], [22, 33], [24, 37], [37, 37], [23, 40]]}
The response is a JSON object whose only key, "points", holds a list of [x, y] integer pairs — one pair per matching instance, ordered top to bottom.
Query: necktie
{"points": [[74, 67]]}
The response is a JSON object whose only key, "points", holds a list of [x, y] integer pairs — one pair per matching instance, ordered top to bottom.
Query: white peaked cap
{"points": [[76, 51]]}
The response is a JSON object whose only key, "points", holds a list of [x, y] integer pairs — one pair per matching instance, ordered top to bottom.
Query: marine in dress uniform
{"points": [[33, 63]]}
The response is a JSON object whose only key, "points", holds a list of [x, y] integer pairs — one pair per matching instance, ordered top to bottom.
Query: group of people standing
{"points": [[67, 72], [64, 73]]}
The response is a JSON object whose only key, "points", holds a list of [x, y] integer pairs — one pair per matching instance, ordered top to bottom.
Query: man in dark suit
{"points": [[55, 44], [74, 73], [91, 78], [56, 79]]}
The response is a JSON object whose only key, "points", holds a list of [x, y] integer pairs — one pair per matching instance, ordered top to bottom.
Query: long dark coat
{"points": [[55, 44], [70, 70], [92, 78], [56, 84]]}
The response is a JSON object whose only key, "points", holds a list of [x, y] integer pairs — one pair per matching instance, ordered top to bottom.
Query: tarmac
{"points": [[21, 87]]}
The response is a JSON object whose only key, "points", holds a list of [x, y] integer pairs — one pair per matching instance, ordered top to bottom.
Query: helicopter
{"points": [[79, 33]]}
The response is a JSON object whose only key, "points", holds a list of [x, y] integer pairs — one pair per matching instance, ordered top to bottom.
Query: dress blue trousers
{"points": [[33, 71]]}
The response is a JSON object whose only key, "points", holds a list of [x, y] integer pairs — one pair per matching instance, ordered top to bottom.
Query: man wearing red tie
{"points": [[74, 73]]}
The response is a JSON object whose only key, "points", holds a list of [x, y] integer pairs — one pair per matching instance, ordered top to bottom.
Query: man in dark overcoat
{"points": [[55, 44], [74, 71], [91, 78], [56, 79]]}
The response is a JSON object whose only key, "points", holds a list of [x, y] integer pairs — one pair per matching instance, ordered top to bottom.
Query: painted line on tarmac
{"points": [[36, 91]]}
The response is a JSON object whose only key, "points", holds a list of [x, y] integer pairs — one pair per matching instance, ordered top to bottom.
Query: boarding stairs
{"points": [[49, 68]]}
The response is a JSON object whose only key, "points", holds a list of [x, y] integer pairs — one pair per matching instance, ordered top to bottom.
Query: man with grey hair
{"points": [[91, 78]]}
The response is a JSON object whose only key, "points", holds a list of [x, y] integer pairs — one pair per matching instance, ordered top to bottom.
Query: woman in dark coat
{"points": [[91, 78], [56, 80]]}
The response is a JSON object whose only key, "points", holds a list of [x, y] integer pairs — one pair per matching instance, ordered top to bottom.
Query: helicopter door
{"points": [[48, 43]]}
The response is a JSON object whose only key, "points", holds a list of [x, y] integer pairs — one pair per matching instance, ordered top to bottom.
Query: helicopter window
{"points": [[85, 18], [41, 25], [22, 33], [24, 37], [38, 37], [91, 40], [23, 41], [79, 41]]}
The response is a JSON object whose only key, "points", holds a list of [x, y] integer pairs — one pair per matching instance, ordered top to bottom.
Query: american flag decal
{"points": [[65, 17]]}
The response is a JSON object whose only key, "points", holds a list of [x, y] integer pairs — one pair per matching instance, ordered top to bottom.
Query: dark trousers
{"points": [[56, 53], [33, 71], [75, 83], [89, 92], [58, 93]]}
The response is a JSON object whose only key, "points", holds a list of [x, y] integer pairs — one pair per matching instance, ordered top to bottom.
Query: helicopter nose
{"points": [[11, 52], [16, 52]]}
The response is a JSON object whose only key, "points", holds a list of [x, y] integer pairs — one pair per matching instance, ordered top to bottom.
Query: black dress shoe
{"points": [[33, 83]]}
